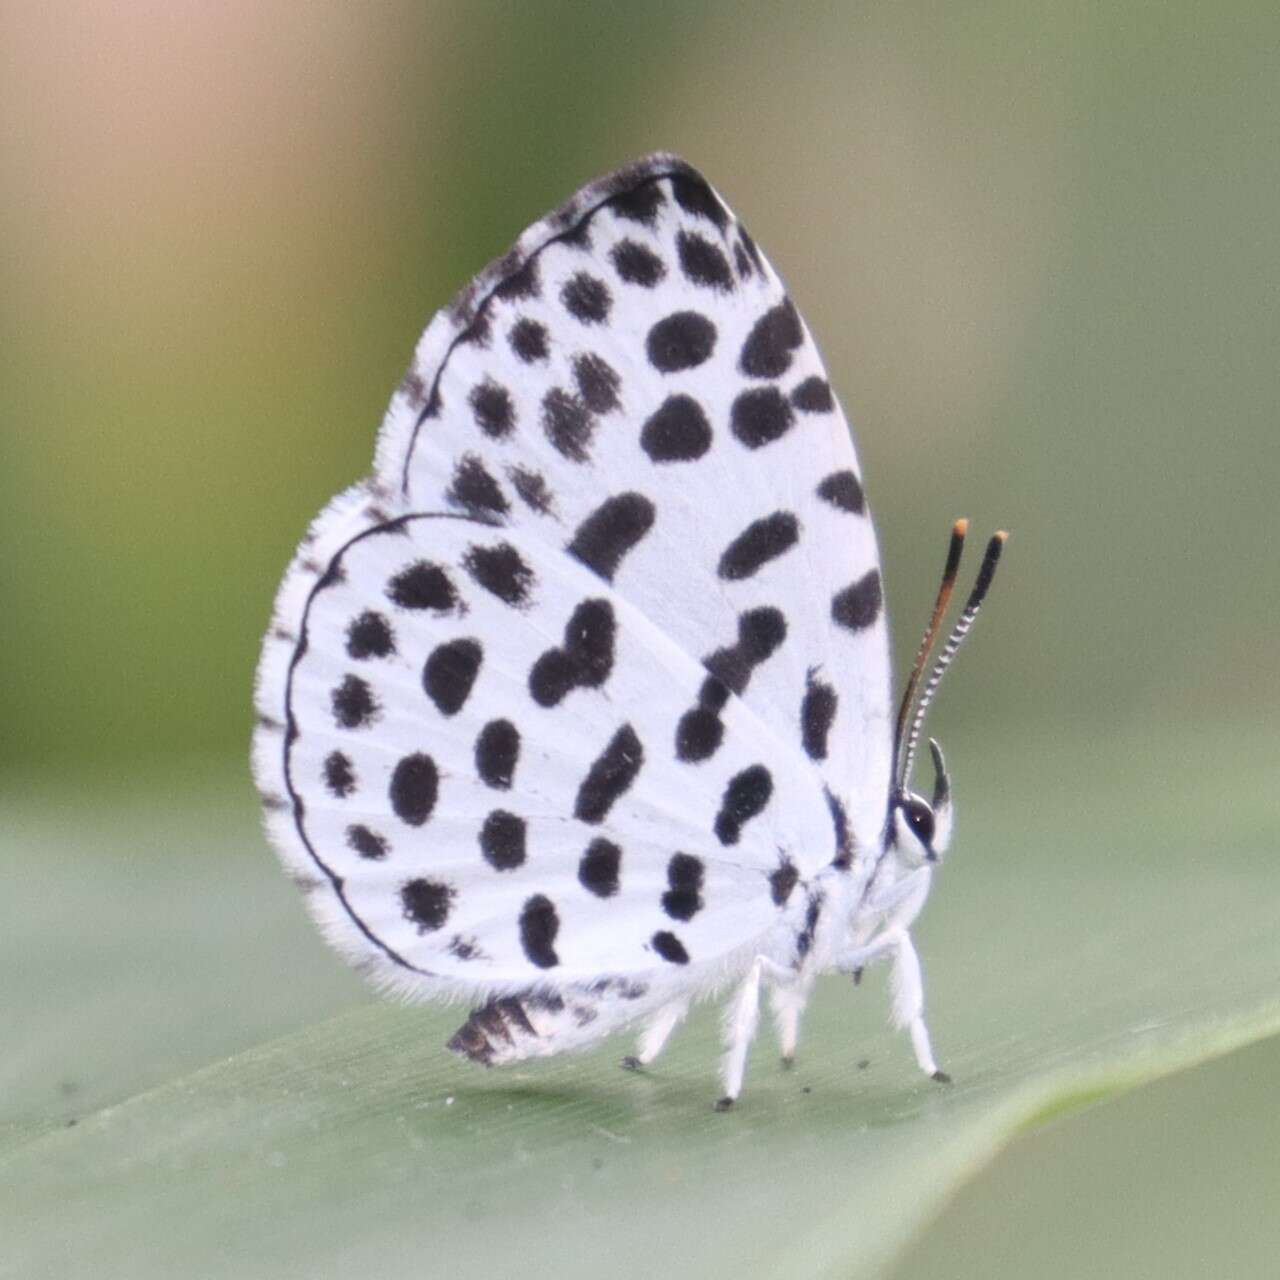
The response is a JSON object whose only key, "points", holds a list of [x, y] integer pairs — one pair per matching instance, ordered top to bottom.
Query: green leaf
{"points": [[1088, 934], [1179, 1179]]}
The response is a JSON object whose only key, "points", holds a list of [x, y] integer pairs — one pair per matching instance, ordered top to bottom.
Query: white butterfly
{"points": [[579, 706]]}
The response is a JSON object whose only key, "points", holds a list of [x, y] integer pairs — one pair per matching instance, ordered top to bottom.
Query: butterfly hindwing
{"points": [[478, 765]]}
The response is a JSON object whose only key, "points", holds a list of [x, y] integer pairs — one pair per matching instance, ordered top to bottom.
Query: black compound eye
{"points": [[920, 819]]}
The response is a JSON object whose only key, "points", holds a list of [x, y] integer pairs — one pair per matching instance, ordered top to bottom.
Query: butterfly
{"points": [[578, 708]]}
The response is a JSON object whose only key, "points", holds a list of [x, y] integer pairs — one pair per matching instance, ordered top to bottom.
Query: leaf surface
{"points": [[1089, 933]]}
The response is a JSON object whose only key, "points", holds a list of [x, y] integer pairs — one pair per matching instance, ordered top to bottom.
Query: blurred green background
{"points": [[1038, 243]]}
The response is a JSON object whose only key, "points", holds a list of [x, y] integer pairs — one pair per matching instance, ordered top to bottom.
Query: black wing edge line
{"points": [[300, 648]]}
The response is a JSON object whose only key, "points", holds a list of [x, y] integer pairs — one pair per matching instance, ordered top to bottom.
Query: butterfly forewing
{"points": [[680, 434]]}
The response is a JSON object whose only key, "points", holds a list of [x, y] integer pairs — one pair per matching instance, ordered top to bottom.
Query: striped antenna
{"points": [[958, 531], [986, 574]]}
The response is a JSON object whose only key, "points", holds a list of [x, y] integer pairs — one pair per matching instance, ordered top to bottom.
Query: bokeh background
{"points": [[1039, 244]]}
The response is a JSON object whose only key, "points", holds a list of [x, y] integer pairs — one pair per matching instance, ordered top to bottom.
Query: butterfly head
{"points": [[921, 829]]}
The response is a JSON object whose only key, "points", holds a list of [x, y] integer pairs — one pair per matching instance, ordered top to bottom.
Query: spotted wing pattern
{"points": [[593, 670], [476, 769]]}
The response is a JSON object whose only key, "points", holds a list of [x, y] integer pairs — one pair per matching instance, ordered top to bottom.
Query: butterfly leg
{"points": [[907, 987], [789, 1000], [741, 1020], [656, 1033]]}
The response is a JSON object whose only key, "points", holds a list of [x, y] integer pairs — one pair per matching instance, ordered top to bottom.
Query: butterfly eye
{"points": [[920, 819]]}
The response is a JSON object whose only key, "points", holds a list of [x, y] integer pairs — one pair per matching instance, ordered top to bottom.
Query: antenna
{"points": [[958, 531], [986, 574]]}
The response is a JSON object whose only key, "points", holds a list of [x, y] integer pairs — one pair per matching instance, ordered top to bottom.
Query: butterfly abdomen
{"points": [[533, 1024], [496, 1032]]}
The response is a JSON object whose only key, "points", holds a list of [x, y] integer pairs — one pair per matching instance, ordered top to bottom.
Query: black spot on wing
{"points": [[694, 196], [641, 204], [578, 237], [704, 263], [636, 264], [523, 283], [586, 298], [528, 340], [682, 340], [767, 350], [598, 382], [813, 395], [492, 407], [760, 416], [568, 423], [677, 431], [531, 488], [475, 489], [843, 490], [610, 531], [761, 541], [501, 571], [422, 586], [858, 605], [760, 633], [369, 636], [585, 659], [450, 672], [551, 677], [354, 706], [817, 711], [700, 730], [497, 753], [339, 775], [610, 776], [414, 787], [744, 798], [840, 828], [502, 840], [368, 844], [599, 867], [782, 881], [683, 898], [426, 903], [539, 924], [669, 947], [464, 949]]}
